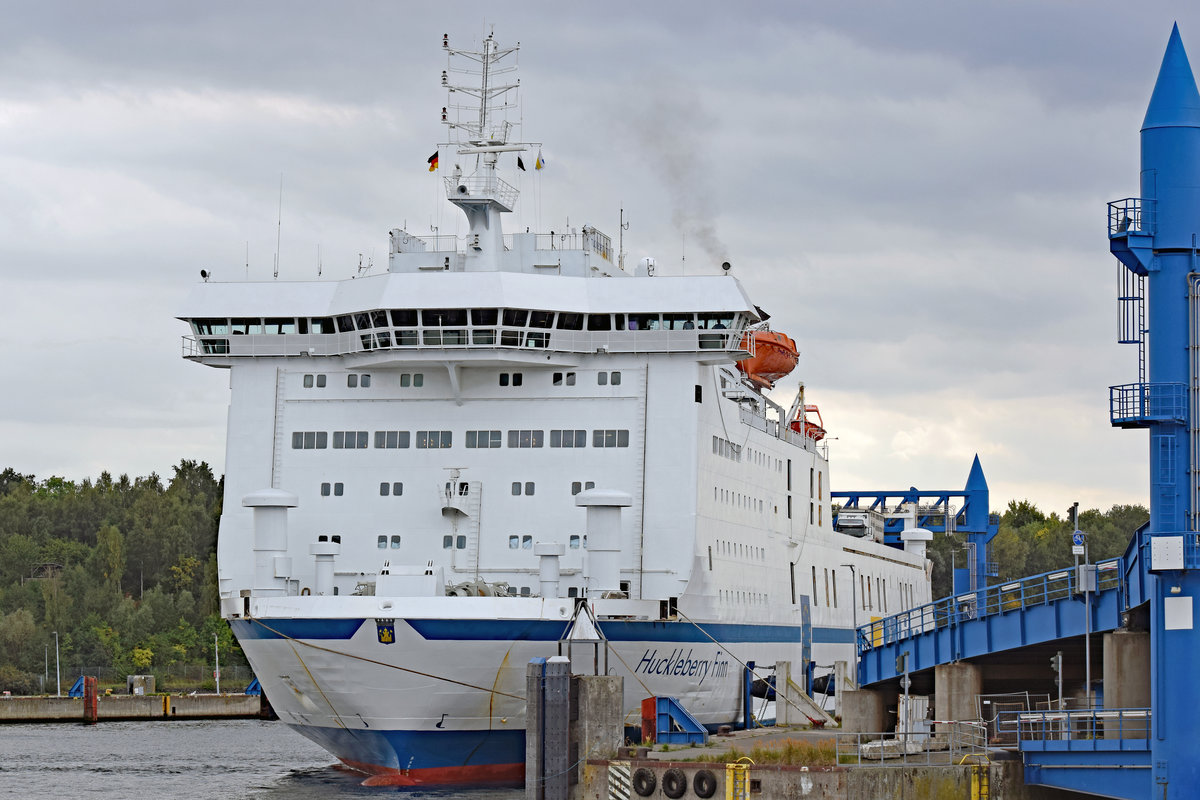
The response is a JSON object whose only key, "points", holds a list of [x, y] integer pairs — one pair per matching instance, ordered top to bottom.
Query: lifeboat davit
{"points": [[775, 355], [806, 426]]}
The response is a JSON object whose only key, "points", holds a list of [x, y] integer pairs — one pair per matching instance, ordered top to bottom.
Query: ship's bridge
{"points": [[466, 317]]}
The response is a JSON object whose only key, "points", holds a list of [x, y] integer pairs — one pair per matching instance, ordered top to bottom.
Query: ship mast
{"points": [[481, 129]]}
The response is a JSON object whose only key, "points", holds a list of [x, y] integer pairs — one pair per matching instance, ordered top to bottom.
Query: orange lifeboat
{"points": [[775, 356], [813, 430]]}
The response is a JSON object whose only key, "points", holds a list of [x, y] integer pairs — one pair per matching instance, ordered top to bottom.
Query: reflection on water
{"points": [[183, 759]]}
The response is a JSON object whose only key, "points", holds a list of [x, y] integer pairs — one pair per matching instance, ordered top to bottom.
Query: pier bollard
{"points": [[90, 704]]}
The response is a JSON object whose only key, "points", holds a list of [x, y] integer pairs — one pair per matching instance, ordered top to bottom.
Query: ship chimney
{"points": [[604, 538], [324, 550], [548, 554], [272, 567]]}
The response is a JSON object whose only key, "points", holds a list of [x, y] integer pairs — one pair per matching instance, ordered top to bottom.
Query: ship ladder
{"points": [[737, 779], [980, 782]]}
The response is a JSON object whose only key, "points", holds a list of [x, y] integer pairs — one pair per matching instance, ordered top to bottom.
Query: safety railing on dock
{"points": [[1049, 587], [1088, 729], [950, 743]]}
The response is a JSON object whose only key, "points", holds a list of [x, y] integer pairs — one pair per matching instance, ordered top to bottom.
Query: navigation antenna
{"points": [[279, 226], [622, 227]]}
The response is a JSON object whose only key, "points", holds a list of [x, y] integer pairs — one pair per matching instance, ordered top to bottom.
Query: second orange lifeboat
{"points": [[775, 355], [813, 430]]}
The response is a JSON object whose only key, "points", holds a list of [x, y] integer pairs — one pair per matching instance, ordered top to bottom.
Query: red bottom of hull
{"points": [[479, 774]]}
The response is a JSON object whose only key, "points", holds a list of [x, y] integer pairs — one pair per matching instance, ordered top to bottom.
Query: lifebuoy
{"points": [[644, 782], [674, 783], [704, 784]]}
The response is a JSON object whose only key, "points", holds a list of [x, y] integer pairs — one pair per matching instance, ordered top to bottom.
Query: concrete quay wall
{"points": [[131, 707], [997, 781]]}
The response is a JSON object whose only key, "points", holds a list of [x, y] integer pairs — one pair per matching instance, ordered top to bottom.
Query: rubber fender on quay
{"points": [[644, 782], [674, 783], [704, 784]]}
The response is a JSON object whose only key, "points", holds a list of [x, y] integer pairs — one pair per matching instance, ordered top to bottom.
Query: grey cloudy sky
{"points": [[914, 190]]}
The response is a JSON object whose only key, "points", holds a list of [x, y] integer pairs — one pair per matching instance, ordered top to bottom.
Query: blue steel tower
{"points": [[1155, 238]]}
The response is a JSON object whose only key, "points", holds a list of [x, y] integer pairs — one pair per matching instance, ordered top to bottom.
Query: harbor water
{"points": [[180, 759]]}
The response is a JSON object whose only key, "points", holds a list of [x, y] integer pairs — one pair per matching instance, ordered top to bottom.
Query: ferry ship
{"points": [[507, 445]]}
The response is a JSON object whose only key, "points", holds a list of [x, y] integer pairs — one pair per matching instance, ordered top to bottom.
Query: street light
{"points": [[854, 617], [57, 671]]}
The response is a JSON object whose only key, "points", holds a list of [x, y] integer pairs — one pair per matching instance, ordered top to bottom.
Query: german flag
{"points": [[433, 161]]}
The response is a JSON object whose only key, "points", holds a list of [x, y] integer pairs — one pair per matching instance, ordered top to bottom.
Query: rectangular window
{"points": [[541, 319], [569, 322], [599, 322], [602, 378], [564, 379], [615, 379], [308, 381], [352, 381], [699, 393], [525, 438], [568, 438], [610, 438], [483, 439], [310, 440], [349, 440], [392, 440], [433, 440], [397, 488], [529, 488], [325, 489], [385, 489], [516, 489], [337, 490], [573, 541], [381, 542], [395, 542], [447, 542], [527, 542], [792, 575], [827, 587], [835, 588], [816, 599]]}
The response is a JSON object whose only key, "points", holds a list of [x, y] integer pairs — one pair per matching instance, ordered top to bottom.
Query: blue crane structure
{"points": [[1154, 236], [936, 514], [1148, 596]]}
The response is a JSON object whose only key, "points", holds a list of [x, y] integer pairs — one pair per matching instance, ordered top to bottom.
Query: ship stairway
{"points": [[1131, 314], [277, 455]]}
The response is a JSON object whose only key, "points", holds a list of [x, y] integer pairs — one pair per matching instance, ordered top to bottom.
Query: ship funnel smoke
{"points": [[669, 130]]}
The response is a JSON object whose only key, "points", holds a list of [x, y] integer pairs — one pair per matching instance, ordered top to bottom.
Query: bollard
{"points": [[90, 705]]}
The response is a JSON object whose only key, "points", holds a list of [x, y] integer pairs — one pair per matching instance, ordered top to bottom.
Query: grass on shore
{"points": [[787, 753]]}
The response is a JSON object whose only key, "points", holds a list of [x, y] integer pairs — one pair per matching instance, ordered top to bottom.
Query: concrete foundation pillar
{"points": [[1126, 678], [956, 690], [863, 711], [597, 721]]}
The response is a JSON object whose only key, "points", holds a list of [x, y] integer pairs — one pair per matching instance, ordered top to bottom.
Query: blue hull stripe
{"points": [[296, 628], [544, 630], [419, 749]]}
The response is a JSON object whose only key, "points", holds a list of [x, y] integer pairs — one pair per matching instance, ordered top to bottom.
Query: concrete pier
{"points": [[956, 688], [131, 707]]}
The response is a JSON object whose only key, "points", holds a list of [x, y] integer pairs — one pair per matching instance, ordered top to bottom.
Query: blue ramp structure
{"points": [[935, 511], [674, 725]]}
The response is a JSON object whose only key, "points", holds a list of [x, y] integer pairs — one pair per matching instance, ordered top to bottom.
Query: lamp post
{"points": [[854, 616], [217, 660], [57, 671]]}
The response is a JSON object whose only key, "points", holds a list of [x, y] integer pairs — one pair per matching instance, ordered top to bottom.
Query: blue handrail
{"points": [[1036, 590]]}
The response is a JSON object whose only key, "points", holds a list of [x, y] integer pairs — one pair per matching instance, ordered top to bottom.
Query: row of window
{"points": [[461, 318], [440, 440], [726, 449], [396, 488], [740, 500], [525, 542], [872, 592], [749, 598]]}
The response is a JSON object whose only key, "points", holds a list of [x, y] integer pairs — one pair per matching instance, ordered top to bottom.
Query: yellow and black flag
{"points": [[433, 161]]}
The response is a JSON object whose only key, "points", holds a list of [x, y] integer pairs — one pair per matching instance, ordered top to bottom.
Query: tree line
{"points": [[1030, 542], [123, 570]]}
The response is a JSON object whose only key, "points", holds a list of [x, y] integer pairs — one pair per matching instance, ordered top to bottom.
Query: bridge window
{"points": [[541, 319], [569, 321], [568, 438], [483, 439], [523, 439], [433, 440]]}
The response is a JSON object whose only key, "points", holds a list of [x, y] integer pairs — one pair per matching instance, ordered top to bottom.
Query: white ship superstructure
{"points": [[428, 470]]}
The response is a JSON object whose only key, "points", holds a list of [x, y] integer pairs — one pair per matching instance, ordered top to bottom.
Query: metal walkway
{"points": [[1036, 610]]}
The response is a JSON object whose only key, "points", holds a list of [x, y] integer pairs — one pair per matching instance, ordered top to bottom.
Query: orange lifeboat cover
{"points": [[775, 355], [813, 430]]}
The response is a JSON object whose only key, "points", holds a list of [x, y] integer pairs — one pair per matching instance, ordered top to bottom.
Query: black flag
{"points": [[520, 164]]}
